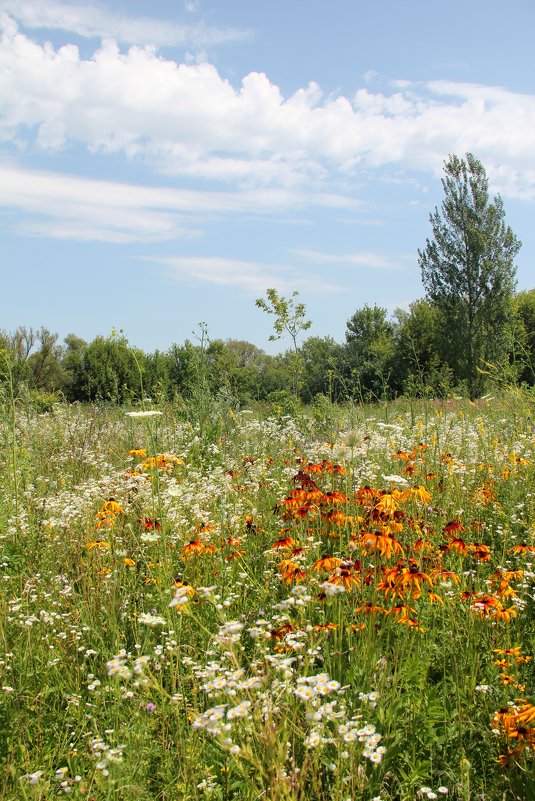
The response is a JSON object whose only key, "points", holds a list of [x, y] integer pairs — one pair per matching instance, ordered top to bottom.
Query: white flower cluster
{"points": [[148, 619], [309, 687]]}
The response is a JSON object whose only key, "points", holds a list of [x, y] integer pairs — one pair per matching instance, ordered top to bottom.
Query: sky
{"points": [[164, 163]]}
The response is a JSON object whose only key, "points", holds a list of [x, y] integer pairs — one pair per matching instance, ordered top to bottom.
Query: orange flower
{"points": [[138, 453], [403, 456], [305, 481], [366, 495], [334, 497], [388, 502], [334, 516], [149, 524], [454, 527], [284, 542], [385, 543], [100, 545], [422, 545], [459, 546], [193, 548], [522, 549], [481, 552], [326, 562], [290, 571], [445, 575], [346, 577], [411, 578], [371, 609], [400, 610], [282, 631], [515, 651], [526, 713]]}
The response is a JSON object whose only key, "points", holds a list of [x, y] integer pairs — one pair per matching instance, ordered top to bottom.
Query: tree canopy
{"points": [[468, 270]]}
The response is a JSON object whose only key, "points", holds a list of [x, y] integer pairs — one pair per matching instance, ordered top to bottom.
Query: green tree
{"points": [[468, 271], [289, 319], [369, 350], [523, 351], [321, 361], [46, 363], [418, 368], [109, 371]]}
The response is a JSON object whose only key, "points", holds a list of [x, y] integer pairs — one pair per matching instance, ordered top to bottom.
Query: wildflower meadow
{"points": [[336, 603]]}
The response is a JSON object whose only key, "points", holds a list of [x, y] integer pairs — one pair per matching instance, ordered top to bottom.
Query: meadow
{"points": [[333, 604]]}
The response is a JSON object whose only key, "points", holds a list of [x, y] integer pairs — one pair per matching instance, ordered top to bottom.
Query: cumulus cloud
{"points": [[97, 20], [186, 119]]}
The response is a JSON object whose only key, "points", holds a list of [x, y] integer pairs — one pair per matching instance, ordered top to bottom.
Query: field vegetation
{"points": [[202, 602]]}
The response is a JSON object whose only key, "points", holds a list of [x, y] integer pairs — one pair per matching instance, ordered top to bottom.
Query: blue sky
{"points": [[164, 163]]}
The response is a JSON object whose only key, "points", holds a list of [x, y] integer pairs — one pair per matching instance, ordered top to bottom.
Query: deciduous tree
{"points": [[468, 270]]}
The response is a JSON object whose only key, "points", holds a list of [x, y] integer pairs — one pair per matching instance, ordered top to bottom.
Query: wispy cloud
{"points": [[98, 20], [71, 207], [363, 258], [251, 276]]}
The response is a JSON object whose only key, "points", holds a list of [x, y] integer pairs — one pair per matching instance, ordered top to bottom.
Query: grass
{"points": [[337, 604]]}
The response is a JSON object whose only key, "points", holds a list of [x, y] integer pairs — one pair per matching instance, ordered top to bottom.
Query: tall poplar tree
{"points": [[468, 271]]}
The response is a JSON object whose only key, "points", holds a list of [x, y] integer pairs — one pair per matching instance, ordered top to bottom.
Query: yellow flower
{"points": [[101, 545]]}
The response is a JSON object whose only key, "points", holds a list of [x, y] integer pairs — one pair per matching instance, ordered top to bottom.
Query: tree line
{"points": [[470, 329], [409, 353]]}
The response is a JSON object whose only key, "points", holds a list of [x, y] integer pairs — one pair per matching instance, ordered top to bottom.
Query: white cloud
{"points": [[98, 20], [186, 119], [69, 207], [363, 258], [250, 276]]}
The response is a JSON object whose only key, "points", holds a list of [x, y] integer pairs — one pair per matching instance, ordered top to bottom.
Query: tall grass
{"points": [[337, 604]]}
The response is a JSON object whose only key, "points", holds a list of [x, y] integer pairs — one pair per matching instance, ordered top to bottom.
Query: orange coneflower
{"points": [[137, 453], [403, 456], [366, 495], [334, 496], [334, 516], [149, 524], [454, 527], [233, 541], [382, 541], [284, 542], [101, 545], [422, 545], [459, 546], [193, 548], [523, 548], [481, 552], [326, 562], [290, 571], [445, 575], [345, 577], [411, 578], [371, 609], [400, 610], [282, 631], [526, 713], [504, 760]]}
